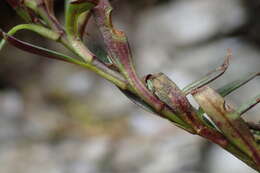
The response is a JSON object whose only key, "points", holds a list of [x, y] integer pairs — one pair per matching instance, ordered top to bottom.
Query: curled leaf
{"points": [[74, 8], [120, 53], [228, 121]]}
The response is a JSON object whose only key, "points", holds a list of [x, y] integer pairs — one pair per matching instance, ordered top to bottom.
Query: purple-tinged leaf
{"points": [[35, 49], [120, 53], [167, 91], [228, 121]]}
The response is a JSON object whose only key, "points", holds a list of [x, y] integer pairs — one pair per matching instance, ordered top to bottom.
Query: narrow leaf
{"points": [[37, 50], [211, 76], [230, 87], [138, 101], [248, 105], [164, 114]]}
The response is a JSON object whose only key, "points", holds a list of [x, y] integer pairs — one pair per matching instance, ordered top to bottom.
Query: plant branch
{"points": [[97, 66]]}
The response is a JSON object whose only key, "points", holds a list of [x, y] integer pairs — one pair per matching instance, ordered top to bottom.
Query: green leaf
{"points": [[74, 8], [100, 53], [211, 76], [232, 86], [138, 101], [248, 105]]}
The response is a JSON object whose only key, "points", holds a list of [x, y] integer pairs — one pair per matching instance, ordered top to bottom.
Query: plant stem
{"points": [[45, 32]]}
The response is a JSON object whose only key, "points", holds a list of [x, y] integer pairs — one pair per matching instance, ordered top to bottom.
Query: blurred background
{"points": [[60, 118]]}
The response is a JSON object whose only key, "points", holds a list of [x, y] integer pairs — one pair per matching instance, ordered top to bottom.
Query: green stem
{"points": [[45, 32], [96, 66]]}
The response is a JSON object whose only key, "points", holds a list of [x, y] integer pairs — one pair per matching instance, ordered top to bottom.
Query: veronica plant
{"points": [[215, 120]]}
